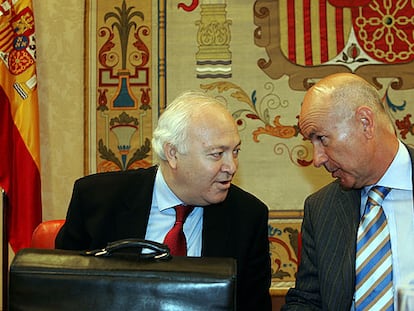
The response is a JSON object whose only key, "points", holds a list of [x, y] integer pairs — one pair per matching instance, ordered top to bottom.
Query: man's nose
{"points": [[319, 156], [230, 165]]}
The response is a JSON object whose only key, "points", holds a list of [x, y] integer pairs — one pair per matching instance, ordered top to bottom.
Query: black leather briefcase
{"points": [[108, 279]]}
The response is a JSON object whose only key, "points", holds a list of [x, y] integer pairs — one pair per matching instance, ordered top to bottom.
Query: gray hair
{"points": [[347, 92], [356, 93], [174, 121]]}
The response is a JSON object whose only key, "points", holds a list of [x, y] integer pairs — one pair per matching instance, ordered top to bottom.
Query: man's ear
{"points": [[365, 118], [170, 152]]}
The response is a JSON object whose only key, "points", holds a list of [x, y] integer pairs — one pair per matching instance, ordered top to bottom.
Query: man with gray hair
{"points": [[197, 143]]}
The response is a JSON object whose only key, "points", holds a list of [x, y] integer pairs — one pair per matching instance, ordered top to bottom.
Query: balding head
{"points": [[352, 135]]}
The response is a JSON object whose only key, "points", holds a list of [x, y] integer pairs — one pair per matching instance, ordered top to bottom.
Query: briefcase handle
{"points": [[159, 251]]}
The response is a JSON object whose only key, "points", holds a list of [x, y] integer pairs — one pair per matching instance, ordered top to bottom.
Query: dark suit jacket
{"points": [[112, 206], [326, 277]]}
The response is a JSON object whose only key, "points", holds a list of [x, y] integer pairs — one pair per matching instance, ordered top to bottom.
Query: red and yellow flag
{"points": [[19, 121]]}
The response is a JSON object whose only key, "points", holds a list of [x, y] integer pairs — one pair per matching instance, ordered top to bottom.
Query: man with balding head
{"points": [[354, 140]]}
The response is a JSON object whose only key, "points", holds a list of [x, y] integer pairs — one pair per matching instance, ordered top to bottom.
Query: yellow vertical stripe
{"points": [[347, 24], [283, 32], [316, 32], [331, 33], [300, 50]]}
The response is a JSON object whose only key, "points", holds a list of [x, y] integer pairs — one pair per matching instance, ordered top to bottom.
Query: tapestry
{"points": [[259, 57], [118, 73], [285, 248]]}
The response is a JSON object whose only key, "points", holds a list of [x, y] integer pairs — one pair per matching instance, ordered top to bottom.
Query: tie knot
{"points": [[377, 194], [182, 212]]}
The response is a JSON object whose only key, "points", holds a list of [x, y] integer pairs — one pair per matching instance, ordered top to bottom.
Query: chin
{"points": [[346, 184], [218, 198]]}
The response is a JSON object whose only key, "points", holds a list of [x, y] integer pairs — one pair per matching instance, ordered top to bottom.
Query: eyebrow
{"points": [[310, 136], [223, 147]]}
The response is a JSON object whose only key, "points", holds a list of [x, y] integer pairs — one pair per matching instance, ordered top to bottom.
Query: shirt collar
{"points": [[398, 175], [163, 196]]}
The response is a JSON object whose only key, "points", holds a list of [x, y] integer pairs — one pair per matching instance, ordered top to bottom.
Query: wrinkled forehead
{"points": [[316, 98], [316, 111]]}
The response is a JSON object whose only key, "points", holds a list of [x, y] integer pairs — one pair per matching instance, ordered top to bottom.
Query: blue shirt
{"points": [[399, 210], [162, 217]]}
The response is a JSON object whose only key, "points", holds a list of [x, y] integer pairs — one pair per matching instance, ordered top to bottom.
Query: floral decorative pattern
{"points": [[284, 239]]}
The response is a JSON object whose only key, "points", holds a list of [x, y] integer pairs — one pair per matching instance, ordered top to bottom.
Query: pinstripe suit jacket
{"points": [[113, 206], [326, 277]]}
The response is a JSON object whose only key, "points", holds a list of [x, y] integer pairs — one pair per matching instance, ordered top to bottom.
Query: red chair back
{"points": [[45, 233]]}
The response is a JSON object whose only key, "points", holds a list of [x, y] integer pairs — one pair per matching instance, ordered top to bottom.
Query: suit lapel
{"points": [[136, 205], [348, 210], [349, 214], [216, 227]]}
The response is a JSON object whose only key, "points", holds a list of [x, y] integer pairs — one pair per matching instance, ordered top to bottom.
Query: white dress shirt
{"points": [[162, 217]]}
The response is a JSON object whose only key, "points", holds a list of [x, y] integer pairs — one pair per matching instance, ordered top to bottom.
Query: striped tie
{"points": [[373, 262]]}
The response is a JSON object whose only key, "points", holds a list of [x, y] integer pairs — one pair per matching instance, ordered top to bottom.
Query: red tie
{"points": [[175, 238]]}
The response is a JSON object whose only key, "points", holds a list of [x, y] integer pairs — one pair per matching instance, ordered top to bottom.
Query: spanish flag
{"points": [[19, 121]]}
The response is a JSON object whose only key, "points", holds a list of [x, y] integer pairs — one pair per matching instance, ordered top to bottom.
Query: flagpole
{"points": [[5, 259]]}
